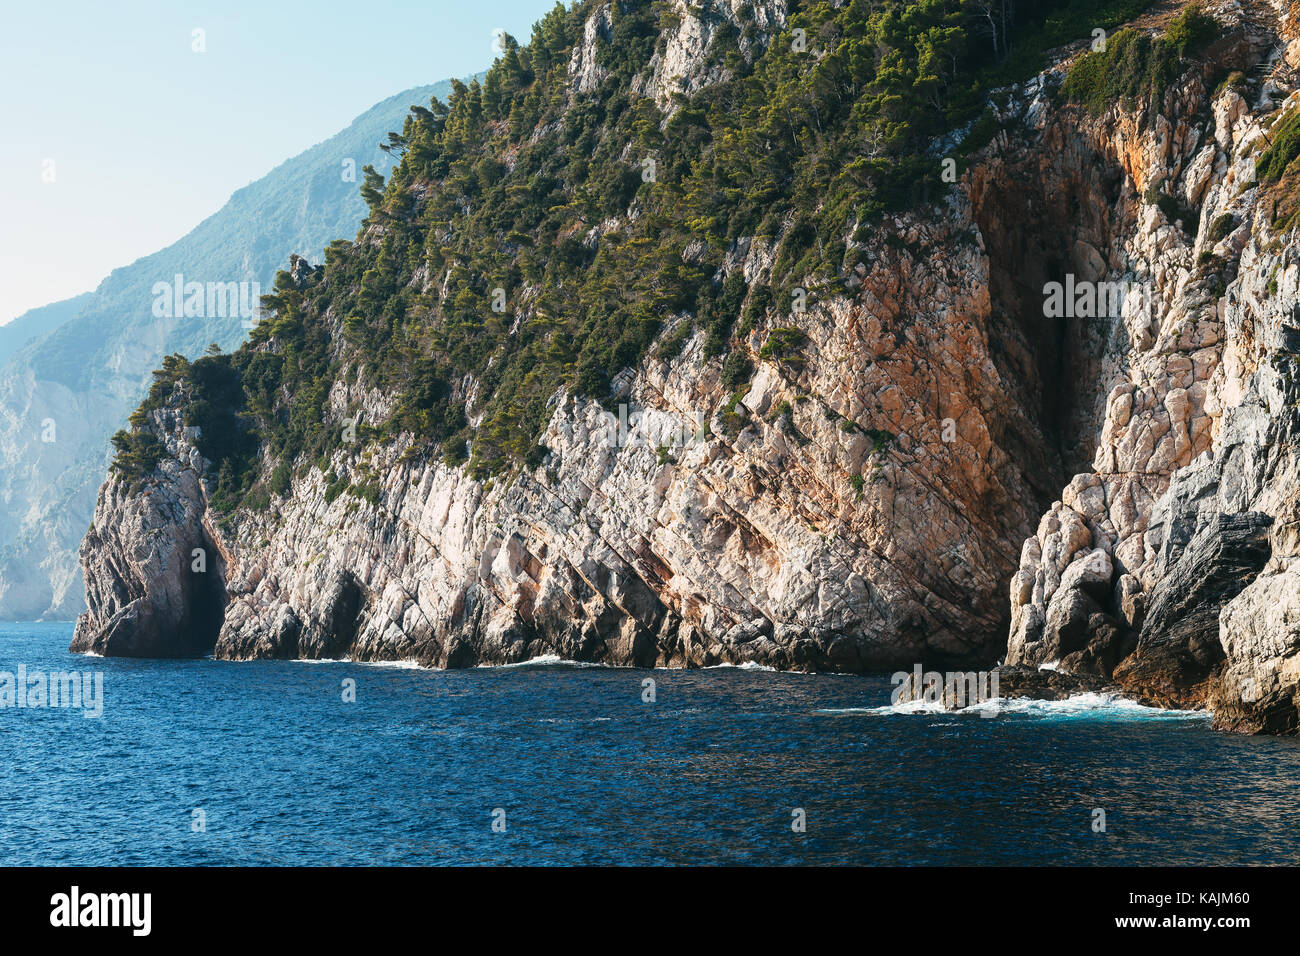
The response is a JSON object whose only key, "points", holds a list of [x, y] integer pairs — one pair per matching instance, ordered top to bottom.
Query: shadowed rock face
{"points": [[1164, 564], [1169, 564], [1199, 572], [148, 599]]}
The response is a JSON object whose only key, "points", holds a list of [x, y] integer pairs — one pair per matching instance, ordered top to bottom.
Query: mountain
{"points": [[34, 323], [838, 337], [73, 370]]}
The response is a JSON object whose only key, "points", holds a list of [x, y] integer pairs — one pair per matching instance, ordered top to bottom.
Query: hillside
{"points": [[814, 255], [34, 323], [83, 365]]}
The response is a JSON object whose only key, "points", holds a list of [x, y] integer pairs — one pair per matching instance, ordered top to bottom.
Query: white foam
{"points": [[544, 660], [404, 665], [743, 666], [752, 666], [1080, 705]]}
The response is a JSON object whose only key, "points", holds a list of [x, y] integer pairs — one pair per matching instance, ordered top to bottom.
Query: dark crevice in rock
{"points": [[1041, 222], [207, 603]]}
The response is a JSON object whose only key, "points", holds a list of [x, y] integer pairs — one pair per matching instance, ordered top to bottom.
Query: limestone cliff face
{"points": [[679, 68], [863, 505], [669, 543], [1168, 564], [149, 598]]}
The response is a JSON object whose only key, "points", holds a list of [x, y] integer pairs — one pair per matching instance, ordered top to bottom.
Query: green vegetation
{"points": [[1047, 26], [1133, 65], [1235, 80], [980, 134], [1275, 160], [1278, 172], [1174, 210], [1222, 227], [531, 238], [784, 344], [736, 370], [732, 420], [880, 439], [137, 450], [334, 486]]}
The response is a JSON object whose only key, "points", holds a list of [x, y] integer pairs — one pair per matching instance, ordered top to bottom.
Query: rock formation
{"points": [[67, 389], [864, 504], [1168, 565]]}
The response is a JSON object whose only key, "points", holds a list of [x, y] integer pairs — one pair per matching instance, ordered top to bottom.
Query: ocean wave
{"points": [[544, 660], [406, 664], [403, 665], [1088, 705]]}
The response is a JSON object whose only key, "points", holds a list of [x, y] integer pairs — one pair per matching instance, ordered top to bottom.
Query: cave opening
{"points": [[1037, 225], [207, 602]]}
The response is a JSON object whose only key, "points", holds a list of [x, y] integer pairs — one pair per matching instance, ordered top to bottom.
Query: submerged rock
{"points": [[1035, 684]]}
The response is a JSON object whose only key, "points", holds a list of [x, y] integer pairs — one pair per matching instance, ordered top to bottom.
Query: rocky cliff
{"points": [[69, 374], [894, 459], [1169, 563]]}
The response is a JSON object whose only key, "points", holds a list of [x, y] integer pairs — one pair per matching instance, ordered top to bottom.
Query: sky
{"points": [[118, 136]]}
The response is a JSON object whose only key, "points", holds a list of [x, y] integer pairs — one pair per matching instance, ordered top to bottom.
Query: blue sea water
{"points": [[286, 772]]}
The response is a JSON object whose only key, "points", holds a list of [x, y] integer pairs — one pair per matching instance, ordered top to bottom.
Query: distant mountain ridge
{"points": [[34, 323], [73, 370]]}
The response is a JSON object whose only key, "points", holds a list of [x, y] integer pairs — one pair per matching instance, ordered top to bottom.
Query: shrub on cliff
{"points": [[1134, 65], [1285, 148], [532, 237]]}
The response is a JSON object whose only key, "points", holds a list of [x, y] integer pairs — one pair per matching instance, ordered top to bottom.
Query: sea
{"points": [[273, 763]]}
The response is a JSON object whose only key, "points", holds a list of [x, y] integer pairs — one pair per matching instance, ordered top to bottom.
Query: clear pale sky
{"points": [[148, 137]]}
